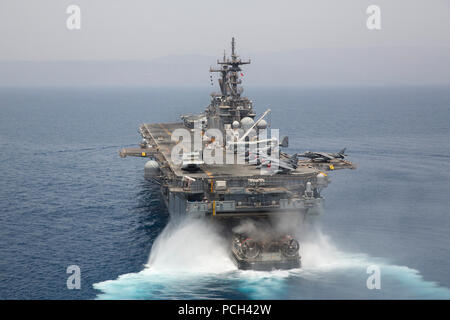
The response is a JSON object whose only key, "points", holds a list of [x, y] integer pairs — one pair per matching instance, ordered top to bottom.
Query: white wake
{"points": [[190, 260]]}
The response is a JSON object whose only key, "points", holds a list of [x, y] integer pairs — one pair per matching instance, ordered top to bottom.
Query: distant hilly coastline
{"points": [[314, 67]]}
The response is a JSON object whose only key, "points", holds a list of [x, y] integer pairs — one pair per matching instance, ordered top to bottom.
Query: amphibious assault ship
{"points": [[223, 164]]}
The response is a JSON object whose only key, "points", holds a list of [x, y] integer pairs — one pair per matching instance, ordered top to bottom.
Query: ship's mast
{"points": [[230, 74], [228, 106]]}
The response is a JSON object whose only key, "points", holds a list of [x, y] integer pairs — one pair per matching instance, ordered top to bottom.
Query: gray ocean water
{"points": [[67, 198]]}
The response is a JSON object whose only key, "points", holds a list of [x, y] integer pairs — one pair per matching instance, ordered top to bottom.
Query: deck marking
{"points": [[208, 173]]}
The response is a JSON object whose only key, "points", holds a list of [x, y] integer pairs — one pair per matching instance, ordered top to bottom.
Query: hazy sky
{"points": [[145, 29]]}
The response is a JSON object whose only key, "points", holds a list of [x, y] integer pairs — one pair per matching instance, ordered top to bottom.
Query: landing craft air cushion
{"points": [[255, 181]]}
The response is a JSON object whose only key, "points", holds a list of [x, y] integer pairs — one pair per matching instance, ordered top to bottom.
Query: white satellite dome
{"points": [[246, 123], [235, 124], [262, 124], [151, 169]]}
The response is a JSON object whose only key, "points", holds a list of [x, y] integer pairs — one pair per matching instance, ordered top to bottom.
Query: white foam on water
{"points": [[190, 246], [319, 253], [187, 255], [321, 258], [190, 260]]}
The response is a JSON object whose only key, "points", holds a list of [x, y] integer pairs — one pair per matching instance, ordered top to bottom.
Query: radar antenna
{"points": [[230, 73], [229, 105]]}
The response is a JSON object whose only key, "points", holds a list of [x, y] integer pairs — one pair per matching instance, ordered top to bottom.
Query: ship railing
{"points": [[268, 181], [190, 186], [195, 186], [258, 204], [196, 208]]}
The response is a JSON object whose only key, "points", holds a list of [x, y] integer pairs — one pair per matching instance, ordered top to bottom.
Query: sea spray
{"points": [[190, 245], [318, 251], [189, 260]]}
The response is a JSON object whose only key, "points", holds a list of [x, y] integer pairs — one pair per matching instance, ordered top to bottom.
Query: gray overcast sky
{"points": [[143, 30]]}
